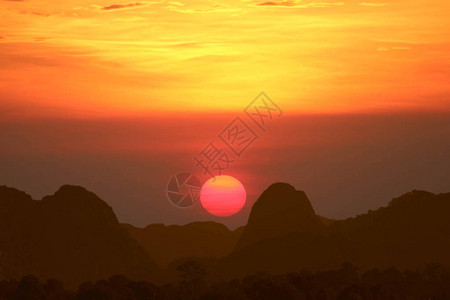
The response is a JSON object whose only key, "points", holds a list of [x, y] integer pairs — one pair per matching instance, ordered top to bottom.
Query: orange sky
{"points": [[103, 57]]}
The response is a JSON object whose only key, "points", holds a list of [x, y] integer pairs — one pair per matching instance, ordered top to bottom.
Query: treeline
{"points": [[431, 282]]}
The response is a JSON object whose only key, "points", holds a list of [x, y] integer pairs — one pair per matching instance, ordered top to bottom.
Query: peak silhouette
{"points": [[72, 190], [8, 194], [412, 196], [280, 210], [283, 233], [72, 235]]}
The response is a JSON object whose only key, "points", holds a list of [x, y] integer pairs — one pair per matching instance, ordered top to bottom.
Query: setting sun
{"points": [[223, 196]]}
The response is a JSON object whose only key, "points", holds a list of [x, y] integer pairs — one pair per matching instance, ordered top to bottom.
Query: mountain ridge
{"points": [[71, 235], [75, 236]]}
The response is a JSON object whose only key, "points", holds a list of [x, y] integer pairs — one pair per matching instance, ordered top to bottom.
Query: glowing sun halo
{"points": [[223, 196]]}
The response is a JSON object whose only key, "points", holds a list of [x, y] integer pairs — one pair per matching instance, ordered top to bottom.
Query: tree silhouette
{"points": [[30, 289]]}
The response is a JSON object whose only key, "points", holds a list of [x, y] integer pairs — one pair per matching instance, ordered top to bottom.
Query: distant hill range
{"points": [[284, 234], [74, 236], [166, 244]]}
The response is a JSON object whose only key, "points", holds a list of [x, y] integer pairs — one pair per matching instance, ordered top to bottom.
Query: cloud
{"points": [[176, 3], [283, 3], [297, 4], [372, 4], [128, 5], [121, 6], [197, 9], [35, 13], [40, 14], [130, 19], [386, 48], [401, 48]]}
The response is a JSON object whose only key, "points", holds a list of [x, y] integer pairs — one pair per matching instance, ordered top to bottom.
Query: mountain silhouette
{"points": [[280, 210], [413, 230], [72, 235], [284, 235], [75, 236], [166, 244]]}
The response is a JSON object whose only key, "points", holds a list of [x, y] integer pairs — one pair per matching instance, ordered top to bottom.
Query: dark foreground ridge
{"points": [[74, 236]]}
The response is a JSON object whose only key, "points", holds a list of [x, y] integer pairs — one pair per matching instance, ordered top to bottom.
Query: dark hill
{"points": [[280, 210], [412, 231], [72, 235], [283, 235], [198, 239]]}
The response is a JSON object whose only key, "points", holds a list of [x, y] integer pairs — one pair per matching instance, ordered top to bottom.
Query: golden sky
{"points": [[108, 57]]}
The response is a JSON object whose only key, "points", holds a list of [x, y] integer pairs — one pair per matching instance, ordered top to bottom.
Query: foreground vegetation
{"points": [[431, 282]]}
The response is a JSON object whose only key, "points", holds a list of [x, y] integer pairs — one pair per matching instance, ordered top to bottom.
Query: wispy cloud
{"points": [[176, 3], [283, 3], [299, 4], [372, 4], [121, 6], [198, 9], [35, 13], [130, 19]]}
